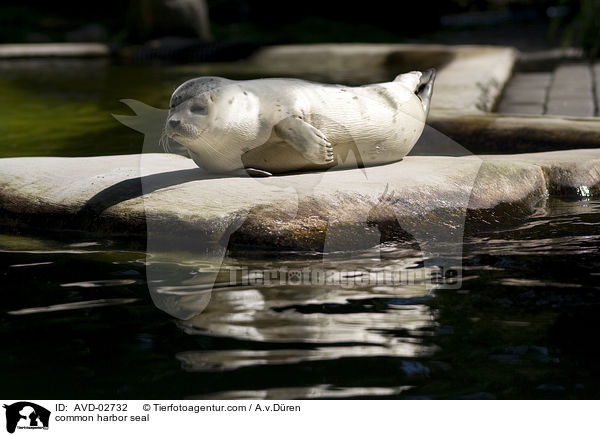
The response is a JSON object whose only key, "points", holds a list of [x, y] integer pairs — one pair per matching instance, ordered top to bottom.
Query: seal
{"points": [[268, 126]]}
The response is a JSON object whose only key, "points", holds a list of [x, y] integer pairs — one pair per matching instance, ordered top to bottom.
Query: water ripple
{"points": [[73, 306]]}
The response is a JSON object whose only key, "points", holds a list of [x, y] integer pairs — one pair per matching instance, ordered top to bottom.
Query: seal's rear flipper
{"points": [[410, 80], [425, 88]]}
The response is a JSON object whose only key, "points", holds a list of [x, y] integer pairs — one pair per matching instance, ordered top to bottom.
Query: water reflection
{"points": [[72, 306], [336, 321], [277, 325], [522, 326], [312, 392]]}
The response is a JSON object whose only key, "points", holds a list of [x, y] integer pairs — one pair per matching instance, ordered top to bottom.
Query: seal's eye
{"points": [[198, 109]]}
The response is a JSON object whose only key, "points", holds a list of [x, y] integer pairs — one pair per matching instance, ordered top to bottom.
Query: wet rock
{"points": [[574, 173], [422, 196]]}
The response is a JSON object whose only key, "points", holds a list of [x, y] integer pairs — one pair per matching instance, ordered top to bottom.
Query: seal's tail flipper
{"points": [[410, 80], [425, 88]]}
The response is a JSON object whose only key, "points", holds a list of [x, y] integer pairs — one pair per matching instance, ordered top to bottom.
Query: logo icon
{"points": [[26, 415]]}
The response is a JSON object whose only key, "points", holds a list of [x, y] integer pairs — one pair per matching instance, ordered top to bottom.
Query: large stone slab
{"points": [[499, 133], [169, 195]]}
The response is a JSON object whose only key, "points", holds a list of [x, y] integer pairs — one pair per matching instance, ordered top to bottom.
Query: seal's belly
{"points": [[366, 126]]}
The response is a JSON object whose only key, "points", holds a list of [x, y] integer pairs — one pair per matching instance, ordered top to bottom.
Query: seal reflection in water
{"points": [[269, 126]]}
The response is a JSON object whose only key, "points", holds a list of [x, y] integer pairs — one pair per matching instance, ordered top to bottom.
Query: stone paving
{"points": [[572, 89]]}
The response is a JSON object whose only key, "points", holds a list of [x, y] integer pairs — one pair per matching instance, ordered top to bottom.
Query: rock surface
{"points": [[567, 173], [424, 196]]}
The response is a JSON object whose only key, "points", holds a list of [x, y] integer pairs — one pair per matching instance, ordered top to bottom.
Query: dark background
{"points": [[524, 23]]}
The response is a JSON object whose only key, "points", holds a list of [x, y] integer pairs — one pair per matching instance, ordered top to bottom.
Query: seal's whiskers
{"points": [[164, 141]]}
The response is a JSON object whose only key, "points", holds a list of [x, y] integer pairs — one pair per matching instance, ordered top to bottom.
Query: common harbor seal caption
{"points": [[266, 126]]}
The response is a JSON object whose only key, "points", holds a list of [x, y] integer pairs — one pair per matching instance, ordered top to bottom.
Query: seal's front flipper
{"points": [[307, 139], [242, 172], [251, 172]]}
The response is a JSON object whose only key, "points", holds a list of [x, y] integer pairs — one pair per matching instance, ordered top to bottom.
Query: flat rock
{"points": [[423, 196]]}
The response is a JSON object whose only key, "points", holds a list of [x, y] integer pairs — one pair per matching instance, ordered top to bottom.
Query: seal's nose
{"points": [[174, 123]]}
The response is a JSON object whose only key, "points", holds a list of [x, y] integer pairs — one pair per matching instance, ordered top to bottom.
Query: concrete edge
{"points": [[58, 49], [500, 133]]}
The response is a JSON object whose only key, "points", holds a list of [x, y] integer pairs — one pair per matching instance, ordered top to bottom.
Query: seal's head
{"points": [[190, 106], [216, 119]]}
